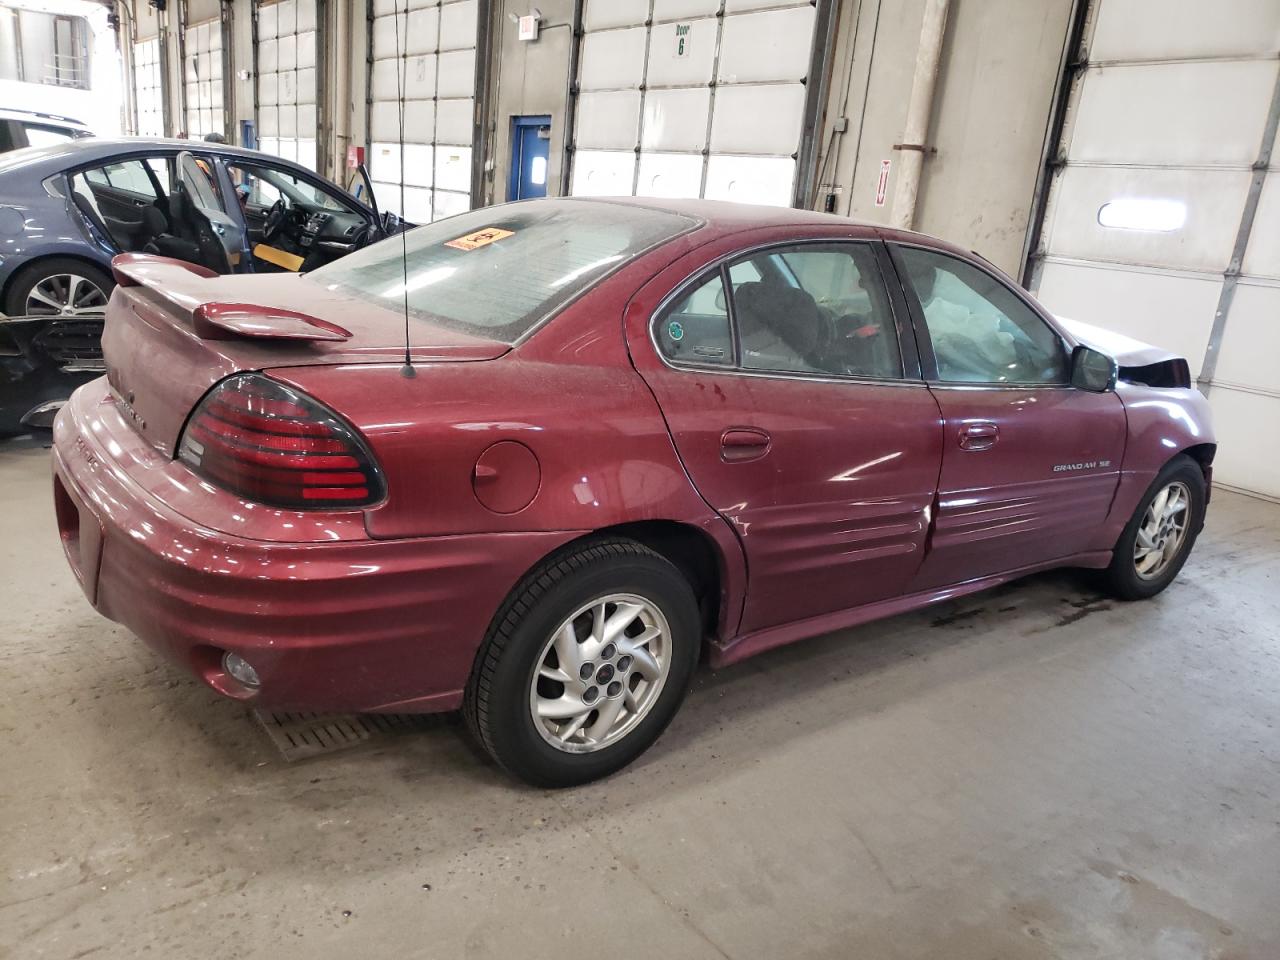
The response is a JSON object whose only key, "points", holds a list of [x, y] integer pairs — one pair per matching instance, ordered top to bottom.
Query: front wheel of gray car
{"points": [[58, 287], [1159, 536], [585, 664]]}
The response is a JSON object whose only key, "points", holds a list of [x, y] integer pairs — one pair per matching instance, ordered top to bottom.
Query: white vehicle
{"points": [[27, 128]]}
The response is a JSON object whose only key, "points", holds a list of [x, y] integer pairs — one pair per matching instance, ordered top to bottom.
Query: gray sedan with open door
{"points": [[67, 209]]}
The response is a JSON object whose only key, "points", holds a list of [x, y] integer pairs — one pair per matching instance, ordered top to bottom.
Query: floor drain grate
{"points": [[302, 735]]}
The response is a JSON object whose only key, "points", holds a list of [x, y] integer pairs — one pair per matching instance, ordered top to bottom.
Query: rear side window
{"points": [[160, 167], [129, 176], [496, 273], [817, 309], [695, 329]]}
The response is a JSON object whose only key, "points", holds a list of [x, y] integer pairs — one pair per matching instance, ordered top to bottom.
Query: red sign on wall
{"points": [[882, 185]]}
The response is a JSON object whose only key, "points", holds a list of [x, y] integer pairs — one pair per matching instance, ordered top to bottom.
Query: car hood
{"points": [[1125, 351]]}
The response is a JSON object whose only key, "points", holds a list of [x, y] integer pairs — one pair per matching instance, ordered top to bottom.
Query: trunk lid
{"points": [[173, 330]]}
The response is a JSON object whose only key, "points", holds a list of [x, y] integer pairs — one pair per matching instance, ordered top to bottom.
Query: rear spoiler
{"points": [[180, 284]]}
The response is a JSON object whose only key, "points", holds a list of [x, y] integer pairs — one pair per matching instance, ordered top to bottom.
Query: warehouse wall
{"points": [[241, 62], [1000, 62], [528, 79], [1164, 213]]}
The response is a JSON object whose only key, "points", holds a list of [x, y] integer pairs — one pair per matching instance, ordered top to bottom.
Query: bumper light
{"points": [[239, 668]]}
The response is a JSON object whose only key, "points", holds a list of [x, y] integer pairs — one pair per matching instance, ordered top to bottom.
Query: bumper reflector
{"points": [[240, 668]]}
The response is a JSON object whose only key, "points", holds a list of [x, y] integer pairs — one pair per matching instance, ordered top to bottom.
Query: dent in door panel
{"points": [[1038, 492], [991, 513], [850, 546]]}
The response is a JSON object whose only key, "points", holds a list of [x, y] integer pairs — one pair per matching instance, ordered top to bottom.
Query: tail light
{"points": [[269, 443]]}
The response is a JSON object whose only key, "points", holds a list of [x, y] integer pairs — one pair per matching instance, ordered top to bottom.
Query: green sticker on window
{"points": [[675, 331]]}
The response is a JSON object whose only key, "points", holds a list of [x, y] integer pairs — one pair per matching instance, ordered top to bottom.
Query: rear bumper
{"points": [[351, 625]]}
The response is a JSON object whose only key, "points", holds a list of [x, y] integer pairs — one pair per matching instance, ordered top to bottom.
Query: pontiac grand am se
{"points": [[620, 435]]}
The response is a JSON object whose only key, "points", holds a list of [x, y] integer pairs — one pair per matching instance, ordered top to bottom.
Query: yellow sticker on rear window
{"points": [[481, 238]]}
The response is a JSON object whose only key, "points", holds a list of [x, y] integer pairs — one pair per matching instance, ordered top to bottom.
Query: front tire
{"points": [[1159, 536], [585, 664]]}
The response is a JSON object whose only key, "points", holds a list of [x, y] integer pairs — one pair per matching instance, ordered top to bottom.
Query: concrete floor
{"points": [[1034, 772]]}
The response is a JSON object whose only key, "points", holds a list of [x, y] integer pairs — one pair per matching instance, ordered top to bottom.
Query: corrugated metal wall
{"points": [[423, 55], [1143, 230]]}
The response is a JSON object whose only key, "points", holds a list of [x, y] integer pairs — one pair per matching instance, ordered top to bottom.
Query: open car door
{"points": [[360, 186], [219, 237]]}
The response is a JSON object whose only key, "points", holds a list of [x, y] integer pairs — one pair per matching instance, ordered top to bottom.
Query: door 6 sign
{"points": [[682, 40]]}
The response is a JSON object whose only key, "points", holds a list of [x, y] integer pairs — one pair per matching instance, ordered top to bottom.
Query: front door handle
{"points": [[979, 436], [743, 443]]}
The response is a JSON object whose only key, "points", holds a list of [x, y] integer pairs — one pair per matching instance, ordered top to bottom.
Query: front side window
{"points": [[260, 186], [497, 272], [817, 309], [695, 329], [982, 332]]}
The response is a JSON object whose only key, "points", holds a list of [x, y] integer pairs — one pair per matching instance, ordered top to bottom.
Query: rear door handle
{"points": [[979, 436], [743, 443]]}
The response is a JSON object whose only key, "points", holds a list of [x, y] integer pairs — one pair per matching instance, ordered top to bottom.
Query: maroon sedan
{"points": [[540, 463]]}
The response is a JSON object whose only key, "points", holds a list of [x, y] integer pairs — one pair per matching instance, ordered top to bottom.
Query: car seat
{"points": [[128, 234], [787, 313]]}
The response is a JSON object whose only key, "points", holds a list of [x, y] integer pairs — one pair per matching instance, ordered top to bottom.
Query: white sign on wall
{"points": [[682, 40]]}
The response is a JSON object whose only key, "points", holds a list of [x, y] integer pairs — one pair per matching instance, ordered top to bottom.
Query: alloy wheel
{"points": [[65, 295], [1163, 530], [600, 673]]}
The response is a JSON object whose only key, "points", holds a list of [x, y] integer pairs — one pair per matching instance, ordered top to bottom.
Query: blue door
{"points": [[530, 140]]}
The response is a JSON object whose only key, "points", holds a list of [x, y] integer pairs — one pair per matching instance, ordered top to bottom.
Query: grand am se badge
{"points": [[1087, 465]]}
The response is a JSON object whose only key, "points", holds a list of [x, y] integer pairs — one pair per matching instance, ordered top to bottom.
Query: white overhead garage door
{"points": [[423, 61], [202, 78], [287, 84], [148, 93], [706, 101], [1147, 219]]}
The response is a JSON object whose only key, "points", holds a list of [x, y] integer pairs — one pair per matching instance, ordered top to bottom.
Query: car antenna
{"points": [[401, 66]]}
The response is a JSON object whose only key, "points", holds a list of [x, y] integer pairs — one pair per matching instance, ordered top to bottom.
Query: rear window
{"points": [[496, 273]]}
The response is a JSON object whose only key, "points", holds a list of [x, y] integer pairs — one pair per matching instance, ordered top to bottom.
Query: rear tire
{"points": [[40, 288], [1159, 536], [585, 664]]}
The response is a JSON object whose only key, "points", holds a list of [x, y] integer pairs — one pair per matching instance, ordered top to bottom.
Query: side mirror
{"points": [[390, 224], [1093, 371]]}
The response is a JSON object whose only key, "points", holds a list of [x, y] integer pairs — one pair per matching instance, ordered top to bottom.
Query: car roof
{"points": [[10, 113], [92, 148], [42, 162], [727, 215], [724, 216]]}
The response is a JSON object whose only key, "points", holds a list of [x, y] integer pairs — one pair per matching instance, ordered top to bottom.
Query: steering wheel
{"points": [[275, 219], [362, 237]]}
